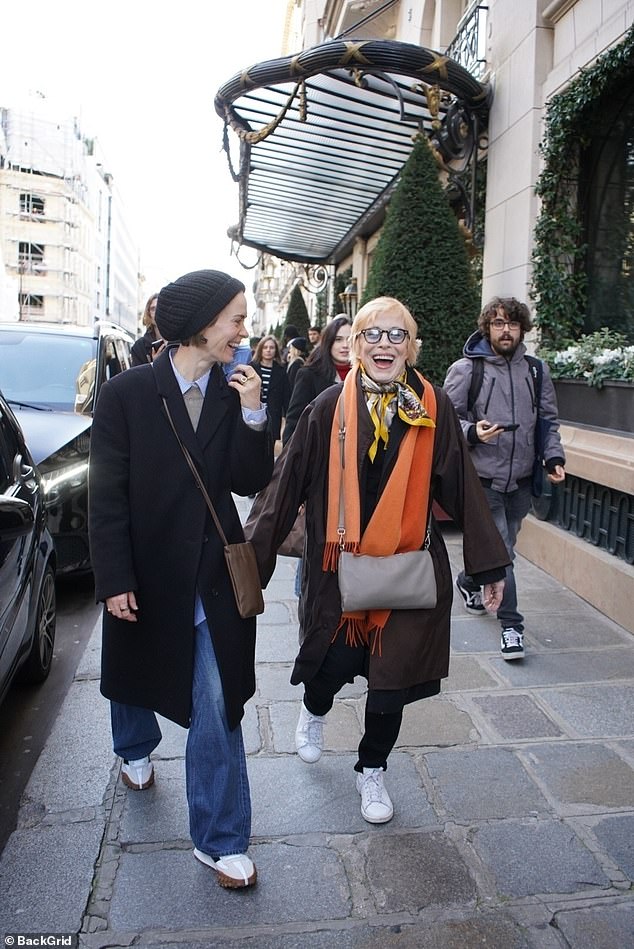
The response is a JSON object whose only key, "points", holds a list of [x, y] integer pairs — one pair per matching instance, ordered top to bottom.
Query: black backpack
{"points": [[477, 374]]}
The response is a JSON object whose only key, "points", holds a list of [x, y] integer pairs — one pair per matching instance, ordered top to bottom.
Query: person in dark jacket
{"points": [[290, 332], [314, 336], [147, 346], [297, 354], [327, 364], [276, 389], [500, 429], [403, 450], [173, 640]]}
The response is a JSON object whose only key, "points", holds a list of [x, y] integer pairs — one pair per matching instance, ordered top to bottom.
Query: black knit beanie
{"points": [[192, 302], [301, 344]]}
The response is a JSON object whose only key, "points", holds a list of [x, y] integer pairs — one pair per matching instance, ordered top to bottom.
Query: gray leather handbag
{"points": [[405, 581]]}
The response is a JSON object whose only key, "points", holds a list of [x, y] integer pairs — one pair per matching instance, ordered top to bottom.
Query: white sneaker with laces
{"points": [[512, 643], [309, 735], [138, 774], [376, 806], [234, 871]]}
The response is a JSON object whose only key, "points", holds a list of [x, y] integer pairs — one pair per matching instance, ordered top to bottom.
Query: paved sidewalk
{"points": [[513, 794]]}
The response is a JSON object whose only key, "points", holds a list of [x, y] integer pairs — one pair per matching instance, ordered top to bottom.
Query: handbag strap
{"points": [[196, 474], [341, 527]]}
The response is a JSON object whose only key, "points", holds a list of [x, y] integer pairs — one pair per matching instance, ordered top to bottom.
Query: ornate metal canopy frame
{"points": [[324, 134]]}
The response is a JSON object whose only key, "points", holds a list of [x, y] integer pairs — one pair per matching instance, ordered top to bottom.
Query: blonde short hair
{"points": [[367, 316]]}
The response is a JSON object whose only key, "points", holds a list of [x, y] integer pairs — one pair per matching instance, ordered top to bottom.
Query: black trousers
{"points": [[341, 665]]}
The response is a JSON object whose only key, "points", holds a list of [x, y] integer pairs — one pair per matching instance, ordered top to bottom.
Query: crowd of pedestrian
{"points": [[366, 447]]}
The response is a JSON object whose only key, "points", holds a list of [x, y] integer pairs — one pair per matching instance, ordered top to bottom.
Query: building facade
{"points": [[530, 53], [66, 252]]}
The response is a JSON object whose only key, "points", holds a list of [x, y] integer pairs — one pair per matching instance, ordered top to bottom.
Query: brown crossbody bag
{"points": [[240, 558]]}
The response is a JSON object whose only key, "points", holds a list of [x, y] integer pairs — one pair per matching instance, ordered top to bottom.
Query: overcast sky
{"points": [[142, 77]]}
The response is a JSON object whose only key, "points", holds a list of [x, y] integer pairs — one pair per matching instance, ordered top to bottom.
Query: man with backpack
{"points": [[507, 406]]}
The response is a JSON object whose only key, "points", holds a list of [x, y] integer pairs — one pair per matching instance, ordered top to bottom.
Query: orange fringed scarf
{"points": [[399, 521]]}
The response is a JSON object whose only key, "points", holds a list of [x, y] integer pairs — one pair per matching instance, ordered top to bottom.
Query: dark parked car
{"points": [[51, 376], [27, 563]]}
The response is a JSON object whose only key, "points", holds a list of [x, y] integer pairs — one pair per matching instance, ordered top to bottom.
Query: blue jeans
{"points": [[508, 510], [215, 765]]}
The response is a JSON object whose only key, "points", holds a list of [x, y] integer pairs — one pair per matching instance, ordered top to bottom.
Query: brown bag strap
{"points": [[196, 474]]}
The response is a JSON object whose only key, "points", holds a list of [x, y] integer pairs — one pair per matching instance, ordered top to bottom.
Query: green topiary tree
{"points": [[421, 259], [297, 314]]}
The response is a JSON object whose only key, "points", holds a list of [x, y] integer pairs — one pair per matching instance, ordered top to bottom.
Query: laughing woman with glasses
{"points": [[403, 449]]}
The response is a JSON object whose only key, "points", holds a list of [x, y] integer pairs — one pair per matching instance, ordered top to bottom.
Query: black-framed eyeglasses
{"points": [[498, 323], [373, 334]]}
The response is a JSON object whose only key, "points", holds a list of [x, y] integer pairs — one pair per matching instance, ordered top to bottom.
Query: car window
{"points": [[122, 349], [114, 356], [43, 369], [8, 450]]}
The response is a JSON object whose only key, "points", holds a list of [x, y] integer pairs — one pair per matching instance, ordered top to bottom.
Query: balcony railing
{"points": [[468, 47], [32, 265]]}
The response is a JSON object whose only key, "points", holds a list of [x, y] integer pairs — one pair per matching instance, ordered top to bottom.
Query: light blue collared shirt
{"points": [[254, 418]]}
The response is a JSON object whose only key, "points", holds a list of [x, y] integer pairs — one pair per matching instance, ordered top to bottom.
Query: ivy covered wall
{"points": [[588, 138]]}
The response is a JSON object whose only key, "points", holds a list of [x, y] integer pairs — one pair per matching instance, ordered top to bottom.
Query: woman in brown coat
{"points": [[404, 448]]}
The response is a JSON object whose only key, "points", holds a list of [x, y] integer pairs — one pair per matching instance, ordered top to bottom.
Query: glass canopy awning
{"points": [[324, 134]]}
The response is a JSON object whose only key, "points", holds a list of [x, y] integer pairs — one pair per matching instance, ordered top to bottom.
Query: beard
{"points": [[505, 347]]}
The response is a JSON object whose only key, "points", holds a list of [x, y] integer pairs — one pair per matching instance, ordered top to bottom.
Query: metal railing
{"points": [[468, 47]]}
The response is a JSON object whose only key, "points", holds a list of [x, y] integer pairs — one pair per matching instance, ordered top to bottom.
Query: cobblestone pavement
{"points": [[513, 794]]}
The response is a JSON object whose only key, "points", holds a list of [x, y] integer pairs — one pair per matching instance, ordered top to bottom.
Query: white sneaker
{"points": [[309, 735], [138, 774], [376, 806], [234, 871]]}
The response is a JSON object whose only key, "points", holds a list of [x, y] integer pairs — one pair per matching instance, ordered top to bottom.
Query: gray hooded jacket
{"points": [[507, 395]]}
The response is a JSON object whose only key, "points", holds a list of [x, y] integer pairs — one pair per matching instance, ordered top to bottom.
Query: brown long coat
{"points": [[415, 643]]}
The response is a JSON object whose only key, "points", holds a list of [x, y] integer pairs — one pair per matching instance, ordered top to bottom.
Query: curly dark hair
{"points": [[513, 310]]}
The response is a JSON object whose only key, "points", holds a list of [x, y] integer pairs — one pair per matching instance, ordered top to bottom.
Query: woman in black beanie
{"points": [[297, 355], [158, 558]]}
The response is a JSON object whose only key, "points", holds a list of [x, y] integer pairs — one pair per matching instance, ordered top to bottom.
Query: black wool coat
{"points": [[141, 351], [309, 382], [151, 532], [415, 643]]}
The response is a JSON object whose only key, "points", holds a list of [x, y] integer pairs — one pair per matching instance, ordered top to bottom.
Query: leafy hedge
{"points": [[421, 259]]}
